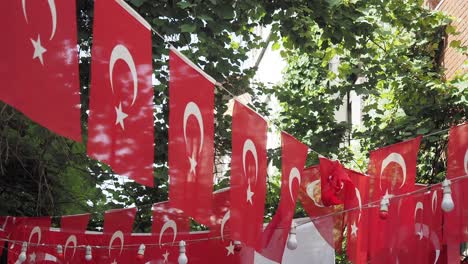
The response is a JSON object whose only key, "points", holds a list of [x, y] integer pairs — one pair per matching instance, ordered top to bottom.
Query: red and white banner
{"points": [[39, 65], [121, 131], [191, 136], [394, 168], [248, 175], [334, 182], [221, 213], [358, 218], [119, 220], [456, 221], [331, 228], [30, 230], [276, 233]]}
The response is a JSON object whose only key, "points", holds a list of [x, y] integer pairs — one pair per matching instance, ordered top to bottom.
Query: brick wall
{"points": [[453, 60]]}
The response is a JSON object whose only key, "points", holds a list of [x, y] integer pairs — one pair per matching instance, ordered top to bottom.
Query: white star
{"points": [[38, 49], [120, 116], [193, 164], [249, 195], [354, 229], [230, 249], [166, 256], [32, 257]]}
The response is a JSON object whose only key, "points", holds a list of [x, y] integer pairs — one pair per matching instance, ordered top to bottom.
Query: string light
{"points": [[447, 201], [292, 240], [237, 245], [60, 251], [141, 252], [22, 255], [88, 255], [182, 257]]}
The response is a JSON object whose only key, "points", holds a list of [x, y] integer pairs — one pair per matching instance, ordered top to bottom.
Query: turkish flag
{"points": [[39, 65], [121, 131], [191, 135], [394, 168], [248, 175], [333, 180], [164, 213], [220, 213], [357, 218], [119, 220], [456, 221], [74, 223], [329, 224], [29, 230], [275, 235]]}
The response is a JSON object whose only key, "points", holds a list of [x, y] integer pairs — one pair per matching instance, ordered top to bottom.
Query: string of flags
{"points": [[121, 134]]}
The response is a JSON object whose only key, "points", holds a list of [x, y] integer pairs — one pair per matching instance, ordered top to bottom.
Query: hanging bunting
{"points": [[39, 65], [121, 131], [191, 135], [394, 168], [248, 175], [334, 182], [357, 219], [119, 220], [456, 221], [118, 224], [170, 225], [331, 228], [29, 230], [275, 235]]}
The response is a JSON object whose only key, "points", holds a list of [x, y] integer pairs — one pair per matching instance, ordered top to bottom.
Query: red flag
{"points": [[39, 65], [121, 130], [191, 135], [394, 168], [248, 175], [333, 179], [163, 212], [221, 213], [357, 218], [119, 220], [456, 221], [74, 223], [330, 227], [29, 230], [275, 235]]}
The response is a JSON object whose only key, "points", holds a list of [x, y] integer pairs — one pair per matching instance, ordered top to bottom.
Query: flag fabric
{"points": [[39, 65], [121, 131], [191, 138], [394, 170], [248, 175], [333, 180], [163, 212], [220, 213], [357, 218], [119, 220], [456, 221], [74, 223], [331, 227], [30, 230], [276, 233]]}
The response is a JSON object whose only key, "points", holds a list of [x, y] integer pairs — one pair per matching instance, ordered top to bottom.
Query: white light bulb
{"points": [[447, 201], [292, 239], [141, 249], [22, 255], [88, 255], [182, 257]]}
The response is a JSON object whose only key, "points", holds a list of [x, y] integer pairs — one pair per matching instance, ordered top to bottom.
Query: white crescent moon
{"points": [[53, 13], [120, 52], [192, 109], [250, 146], [397, 158], [465, 162], [294, 174], [310, 192], [358, 196], [434, 201], [419, 206], [226, 217], [169, 224], [35, 230], [427, 233], [117, 234], [71, 239], [49, 257]]}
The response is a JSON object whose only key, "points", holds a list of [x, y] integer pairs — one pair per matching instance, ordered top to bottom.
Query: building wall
{"points": [[452, 60]]}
